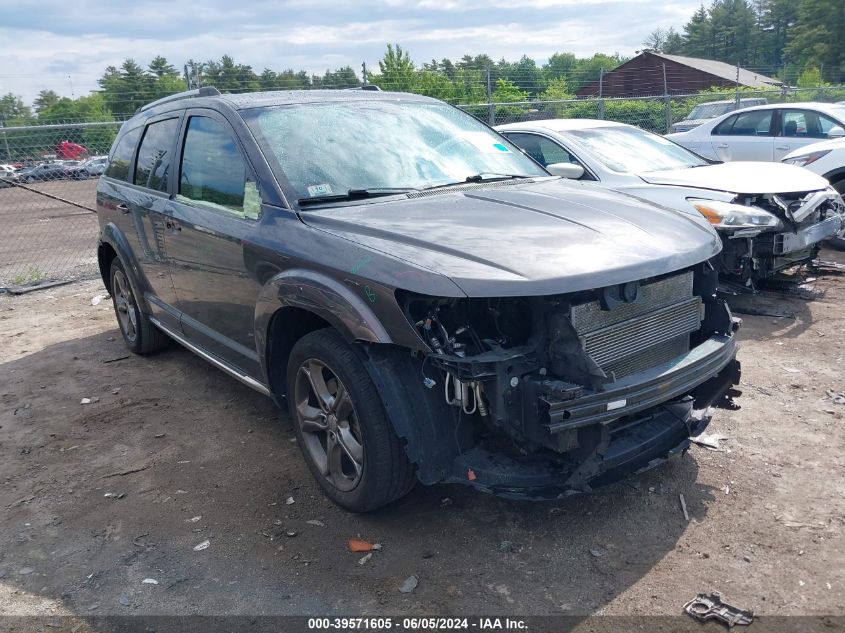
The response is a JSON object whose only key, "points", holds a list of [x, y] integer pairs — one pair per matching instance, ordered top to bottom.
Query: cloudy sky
{"points": [[66, 45]]}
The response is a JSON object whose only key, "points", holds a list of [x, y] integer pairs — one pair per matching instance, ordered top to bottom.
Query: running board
{"points": [[234, 373]]}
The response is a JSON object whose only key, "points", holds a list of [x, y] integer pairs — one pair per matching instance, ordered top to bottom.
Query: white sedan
{"points": [[767, 132], [827, 159], [770, 216]]}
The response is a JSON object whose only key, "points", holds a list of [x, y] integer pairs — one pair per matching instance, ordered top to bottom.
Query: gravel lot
{"points": [[98, 497]]}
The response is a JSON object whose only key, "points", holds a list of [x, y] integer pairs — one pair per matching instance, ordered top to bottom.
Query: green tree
{"points": [[776, 18], [733, 31], [698, 35], [818, 37], [674, 43], [560, 65], [160, 67], [396, 70], [44, 100], [13, 110]]}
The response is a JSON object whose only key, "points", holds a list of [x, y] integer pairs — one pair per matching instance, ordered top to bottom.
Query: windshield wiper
{"points": [[484, 176], [356, 194]]}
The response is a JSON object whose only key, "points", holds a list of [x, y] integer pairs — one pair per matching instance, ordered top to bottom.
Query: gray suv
{"points": [[428, 303]]}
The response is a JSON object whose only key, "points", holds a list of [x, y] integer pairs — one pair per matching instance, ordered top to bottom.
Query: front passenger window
{"points": [[213, 171]]}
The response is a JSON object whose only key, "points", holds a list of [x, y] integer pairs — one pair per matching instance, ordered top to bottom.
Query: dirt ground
{"points": [[172, 453]]}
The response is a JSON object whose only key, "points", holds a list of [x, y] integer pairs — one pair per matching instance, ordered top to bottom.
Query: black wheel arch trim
{"points": [[836, 174], [115, 238], [320, 295]]}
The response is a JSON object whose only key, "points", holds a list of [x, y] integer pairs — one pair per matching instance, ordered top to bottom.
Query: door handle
{"points": [[722, 146], [782, 147], [123, 208], [172, 226]]}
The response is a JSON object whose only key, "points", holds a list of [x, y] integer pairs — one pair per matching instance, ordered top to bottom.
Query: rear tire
{"points": [[139, 334], [347, 440]]}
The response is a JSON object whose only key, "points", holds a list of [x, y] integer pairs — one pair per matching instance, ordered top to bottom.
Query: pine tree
{"points": [[818, 37]]}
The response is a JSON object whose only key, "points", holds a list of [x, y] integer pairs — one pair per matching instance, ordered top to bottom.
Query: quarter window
{"points": [[122, 156], [153, 162], [213, 170]]}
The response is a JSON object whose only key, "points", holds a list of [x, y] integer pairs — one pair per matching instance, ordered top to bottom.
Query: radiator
{"points": [[650, 331]]}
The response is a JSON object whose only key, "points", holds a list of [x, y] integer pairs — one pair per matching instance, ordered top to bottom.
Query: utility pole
{"points": [[364, 72], [187, 77], [737, 84], [667, 106], [491, 111], [600, 113], [6, 141]]}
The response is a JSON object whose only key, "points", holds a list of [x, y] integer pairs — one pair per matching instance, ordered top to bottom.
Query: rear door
{"points": [[799, 127], [745, 136], [135, 201], [215, 209]]}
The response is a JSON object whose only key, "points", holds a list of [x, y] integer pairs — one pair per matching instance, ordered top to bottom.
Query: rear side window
{"points": [[756, 123], [122, 156], [153, 162], [213, 170]]}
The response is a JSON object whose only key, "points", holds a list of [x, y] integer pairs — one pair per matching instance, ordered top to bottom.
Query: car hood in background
{"points": [[835, 143], [740, 177], [529, 239]]}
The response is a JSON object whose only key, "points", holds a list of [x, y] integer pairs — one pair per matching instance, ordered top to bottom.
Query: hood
{"points": [[688, 124], [750, 178], [548, 237]]}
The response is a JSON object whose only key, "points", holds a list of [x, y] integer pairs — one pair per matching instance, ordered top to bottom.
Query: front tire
{"points": [[838, 242], [139, 334], [347, 440]]}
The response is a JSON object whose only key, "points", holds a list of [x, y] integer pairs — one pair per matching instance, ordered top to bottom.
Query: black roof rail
{"points": [[366, 87], [205, 91]]}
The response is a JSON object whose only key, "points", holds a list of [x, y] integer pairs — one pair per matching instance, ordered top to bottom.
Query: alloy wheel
{"points": [[124, 303], [329, 425]]}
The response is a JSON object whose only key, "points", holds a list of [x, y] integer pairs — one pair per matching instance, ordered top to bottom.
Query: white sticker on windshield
{"points": [[485, 142], [319, 190]]}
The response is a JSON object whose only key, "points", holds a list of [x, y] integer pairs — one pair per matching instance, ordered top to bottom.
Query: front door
{"points": [[745, 136], [215, 210]]}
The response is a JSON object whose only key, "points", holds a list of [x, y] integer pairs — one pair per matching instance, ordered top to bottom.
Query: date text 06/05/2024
{"points": [[417, 624]]}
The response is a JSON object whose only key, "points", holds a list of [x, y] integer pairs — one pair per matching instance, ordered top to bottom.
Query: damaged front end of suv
{"points": [[538, 397]]}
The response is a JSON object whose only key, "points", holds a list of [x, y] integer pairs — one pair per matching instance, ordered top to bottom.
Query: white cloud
{"points": [[41, 51]]}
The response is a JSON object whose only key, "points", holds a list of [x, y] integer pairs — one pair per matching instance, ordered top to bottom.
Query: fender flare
{"points": [[836, 174], [115, 238], [321, 295], [324, 296]]}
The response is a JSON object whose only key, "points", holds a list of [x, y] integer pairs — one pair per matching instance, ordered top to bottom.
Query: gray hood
{"points": [[745, 177], [531, 239]]}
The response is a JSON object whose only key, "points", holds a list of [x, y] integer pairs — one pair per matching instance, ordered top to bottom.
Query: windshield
{"points": [[709, 110], [326, 149], [632, 150]]}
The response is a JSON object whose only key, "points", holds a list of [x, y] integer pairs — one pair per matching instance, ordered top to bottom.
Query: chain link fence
{"points": [[656, 113], [47, 205], [48, 216]]}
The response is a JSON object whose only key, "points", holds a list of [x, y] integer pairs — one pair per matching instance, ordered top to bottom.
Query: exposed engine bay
{"points": [[806, 219], [563, 376]]}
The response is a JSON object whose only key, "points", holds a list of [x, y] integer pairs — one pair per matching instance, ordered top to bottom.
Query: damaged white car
{"points": [[770, 216]]}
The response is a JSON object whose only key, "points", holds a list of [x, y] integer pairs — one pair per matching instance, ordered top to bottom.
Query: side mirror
{"points": [[836, 132], [567, 170]]}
